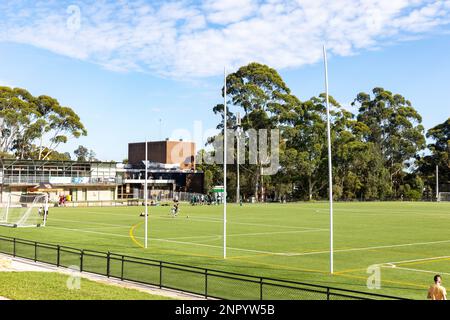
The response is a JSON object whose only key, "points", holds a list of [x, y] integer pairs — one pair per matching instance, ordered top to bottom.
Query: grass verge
{"points": [[53, 286]]}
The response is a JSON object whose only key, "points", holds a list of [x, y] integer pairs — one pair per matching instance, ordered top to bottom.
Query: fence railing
{"points": [[67, 180], [126, 202], [105, 203], [208, 283]]}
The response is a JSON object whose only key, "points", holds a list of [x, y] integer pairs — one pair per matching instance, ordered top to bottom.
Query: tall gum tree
{"points": [[263, 96], [28, 122], [394, 128]]}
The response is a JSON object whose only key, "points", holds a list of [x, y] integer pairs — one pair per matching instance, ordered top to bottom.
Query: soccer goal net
{"points": [[444, 196], [25, 210]]}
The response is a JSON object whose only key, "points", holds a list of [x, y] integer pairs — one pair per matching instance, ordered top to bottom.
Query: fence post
{"points": [[14, 247], [35, 251], [58, 254], [108, 259], [81, 260], [121, 272], [160, 274], [206, 283], [260, 288], [328, 294]]}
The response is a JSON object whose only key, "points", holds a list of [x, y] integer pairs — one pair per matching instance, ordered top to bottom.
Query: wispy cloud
{"points": [[186, 39], [4, 83]]}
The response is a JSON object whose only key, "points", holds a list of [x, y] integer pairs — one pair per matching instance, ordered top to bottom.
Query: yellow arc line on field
{"points": [[132, 234], [133, 238]]}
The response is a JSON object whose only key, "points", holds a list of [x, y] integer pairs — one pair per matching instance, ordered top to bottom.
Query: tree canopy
{"points": [[33, 127], [378, 153]]}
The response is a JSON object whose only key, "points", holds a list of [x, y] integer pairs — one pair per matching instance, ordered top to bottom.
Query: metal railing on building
{"points": [[61, 180]]}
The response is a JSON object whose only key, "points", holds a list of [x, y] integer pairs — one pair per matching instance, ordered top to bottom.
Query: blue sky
{"points": [[124, 65]]}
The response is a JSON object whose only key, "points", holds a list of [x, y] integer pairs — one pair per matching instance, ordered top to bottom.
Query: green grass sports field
{"points": [[410, 242], [53, 286]]}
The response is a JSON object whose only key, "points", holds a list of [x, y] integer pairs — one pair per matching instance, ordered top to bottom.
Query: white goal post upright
{"points": [[224, 163], [330, 171], [238, 183], [437, 184], [146, 194], [8, 205], [45, 211]]}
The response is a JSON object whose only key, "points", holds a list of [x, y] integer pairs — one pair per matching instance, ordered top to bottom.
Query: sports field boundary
{"points": [[18, 264], [208, 283]]}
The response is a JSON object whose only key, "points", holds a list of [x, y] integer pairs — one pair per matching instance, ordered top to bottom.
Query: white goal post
{"points": [[443, 196], [24, 210]]}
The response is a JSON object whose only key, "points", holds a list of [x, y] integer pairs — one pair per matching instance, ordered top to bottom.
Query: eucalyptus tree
{"points": [[264, 99], [27, 121], [395, 129], [439, 155]]}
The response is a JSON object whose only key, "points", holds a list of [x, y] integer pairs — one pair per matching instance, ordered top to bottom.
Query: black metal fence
{"points": [[200, 281]]}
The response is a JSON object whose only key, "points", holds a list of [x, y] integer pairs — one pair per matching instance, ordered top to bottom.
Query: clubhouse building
{"points": [[170, 166]]}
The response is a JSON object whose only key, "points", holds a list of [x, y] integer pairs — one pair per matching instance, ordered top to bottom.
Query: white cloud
{"points": [[225, 12], [185, 39]]}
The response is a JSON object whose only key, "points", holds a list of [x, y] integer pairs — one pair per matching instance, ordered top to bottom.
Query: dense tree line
{"points": [[33, 127], [379, 153]]}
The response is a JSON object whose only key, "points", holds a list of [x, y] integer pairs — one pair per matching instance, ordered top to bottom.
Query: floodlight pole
{"points": [[224, 163], [330, 173], [437, 183], [146, 194]]}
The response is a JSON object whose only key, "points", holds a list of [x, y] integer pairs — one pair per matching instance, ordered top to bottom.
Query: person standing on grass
{"points": [[47, 199], [437, 291]]}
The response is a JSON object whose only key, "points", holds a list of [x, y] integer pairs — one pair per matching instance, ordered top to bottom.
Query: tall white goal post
{"points": [[24, 210]]}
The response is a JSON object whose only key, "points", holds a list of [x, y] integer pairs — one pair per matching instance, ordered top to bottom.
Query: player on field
{"points": [[46, 206], [175, 208], [142, 214], [437, 291]]}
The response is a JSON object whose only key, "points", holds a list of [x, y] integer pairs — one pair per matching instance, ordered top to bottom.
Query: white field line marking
{"points": [[391, 213], [212, 220], [88, 222], [101, 224], [107, 228], [275, 232], [248, 234], [172, 241], [375, 247], [260, 251], [417, 260], [416, 270]]}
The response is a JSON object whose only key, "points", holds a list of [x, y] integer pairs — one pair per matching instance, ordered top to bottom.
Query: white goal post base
{"points": [[11, 225]]}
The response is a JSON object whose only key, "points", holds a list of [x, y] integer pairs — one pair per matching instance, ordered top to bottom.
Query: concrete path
{"points": [[8, 263]]}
